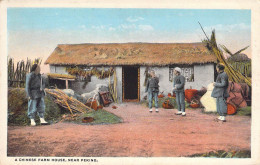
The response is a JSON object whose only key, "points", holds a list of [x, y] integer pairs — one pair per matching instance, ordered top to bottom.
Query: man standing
{"points": [[152, 87], [178, 88], [35, 91], [220, 92]]}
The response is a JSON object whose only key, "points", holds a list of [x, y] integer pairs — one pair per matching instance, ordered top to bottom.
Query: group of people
{"points": [[35, 92], [219, 92]]}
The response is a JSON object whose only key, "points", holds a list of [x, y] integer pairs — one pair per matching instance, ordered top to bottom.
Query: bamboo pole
{"points": [[233, 74]]}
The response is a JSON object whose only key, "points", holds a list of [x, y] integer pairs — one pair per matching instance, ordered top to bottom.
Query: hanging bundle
{"points": [[101, 74], [146, 75], [112, 87]]}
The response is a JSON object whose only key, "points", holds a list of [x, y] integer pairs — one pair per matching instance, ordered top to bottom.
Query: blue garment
{"points": [[179, 83], [152, 84], [33, 85], [221, 85], [152, 87], [34, 88], [220, 92], [152, 95], [180, 99], [36, 106], [221, 106]]}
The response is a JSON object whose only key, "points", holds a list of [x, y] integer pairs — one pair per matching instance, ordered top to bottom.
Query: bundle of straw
{"points": [[233, 75], [112, 87], [67, 102]]}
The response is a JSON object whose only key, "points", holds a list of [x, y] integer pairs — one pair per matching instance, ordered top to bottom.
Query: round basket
{"points": [[189, 93], [160, 96], [194, 105], [231, 109]]}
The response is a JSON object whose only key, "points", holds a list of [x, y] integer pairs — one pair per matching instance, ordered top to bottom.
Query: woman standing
{"points": [[35, 92]]}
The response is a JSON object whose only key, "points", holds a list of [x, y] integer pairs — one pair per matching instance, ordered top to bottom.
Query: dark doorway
{"points": [[130, 83]]}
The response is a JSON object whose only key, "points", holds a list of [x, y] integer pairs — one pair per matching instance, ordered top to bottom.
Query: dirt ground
{"points": [[142, 134]]}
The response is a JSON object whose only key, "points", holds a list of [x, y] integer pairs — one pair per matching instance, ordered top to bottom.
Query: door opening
{"points": [[130, 84]]}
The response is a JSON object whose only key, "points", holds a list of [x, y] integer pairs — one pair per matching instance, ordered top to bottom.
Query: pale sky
{"points": [[35, 32]]}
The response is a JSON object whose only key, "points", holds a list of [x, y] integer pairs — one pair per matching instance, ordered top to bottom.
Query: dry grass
{"points": [[159, 54], [55, 75]]}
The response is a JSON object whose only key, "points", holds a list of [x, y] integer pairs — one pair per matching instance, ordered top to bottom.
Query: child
{"points": [[152, 88]]}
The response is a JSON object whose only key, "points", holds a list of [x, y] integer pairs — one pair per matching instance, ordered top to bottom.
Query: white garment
{"points": [[207, 101]]}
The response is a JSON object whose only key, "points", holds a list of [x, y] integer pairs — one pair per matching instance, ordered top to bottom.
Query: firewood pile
{"points": [[69, 103]]}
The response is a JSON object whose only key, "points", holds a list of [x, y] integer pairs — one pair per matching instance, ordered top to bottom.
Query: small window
{"points": [[186, 71]]}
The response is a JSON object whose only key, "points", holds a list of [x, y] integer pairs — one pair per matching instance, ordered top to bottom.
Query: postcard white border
{"points": [[253, 5]]}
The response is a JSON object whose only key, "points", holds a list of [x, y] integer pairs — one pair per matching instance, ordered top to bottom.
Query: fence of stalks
{"points": [[17, 71]]}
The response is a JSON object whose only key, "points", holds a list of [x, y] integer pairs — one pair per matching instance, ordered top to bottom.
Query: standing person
{"points": [[152, 87], [178, 88], [35, 91], [220, 92]]}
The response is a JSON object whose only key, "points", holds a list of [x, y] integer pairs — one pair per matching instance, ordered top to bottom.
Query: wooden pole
{"points": [[67, 84]]}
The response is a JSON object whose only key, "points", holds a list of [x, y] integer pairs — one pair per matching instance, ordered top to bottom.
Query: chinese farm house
{"points": [[130, 63]]}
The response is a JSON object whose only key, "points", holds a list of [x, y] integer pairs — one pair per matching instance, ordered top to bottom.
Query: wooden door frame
{"points": [[123, 86]]}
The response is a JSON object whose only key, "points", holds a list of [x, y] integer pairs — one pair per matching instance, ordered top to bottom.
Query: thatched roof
{"points": [[151, 54], [239, 58]]}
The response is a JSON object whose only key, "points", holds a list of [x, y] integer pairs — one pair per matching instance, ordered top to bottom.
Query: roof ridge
{"points": [[133, 43], [131, 53]]}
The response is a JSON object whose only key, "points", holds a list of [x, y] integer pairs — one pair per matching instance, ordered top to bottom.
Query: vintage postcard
{"points": [[87, 82]]}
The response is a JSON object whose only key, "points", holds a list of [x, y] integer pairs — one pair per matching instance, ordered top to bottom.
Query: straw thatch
{"points": [[159, 54], [239, 58], [56, 75]]}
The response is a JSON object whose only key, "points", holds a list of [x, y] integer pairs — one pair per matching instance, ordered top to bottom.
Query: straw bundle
{"points": [[239, 61], [101, 74], [56, 75], [233, 75], [112, 87], [67, 102]]}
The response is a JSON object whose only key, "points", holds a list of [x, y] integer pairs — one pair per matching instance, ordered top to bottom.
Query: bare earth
{"points": [[142, 134]]}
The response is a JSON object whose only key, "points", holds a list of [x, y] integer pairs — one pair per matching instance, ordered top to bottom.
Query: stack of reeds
{"points": [[239, 61], [242, 67], [10, 72], [233, 75], [17, 76], [112, 87], [67, 102]]}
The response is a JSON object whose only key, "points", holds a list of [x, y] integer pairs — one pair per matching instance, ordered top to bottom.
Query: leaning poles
{"points": [[234, 75]]}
